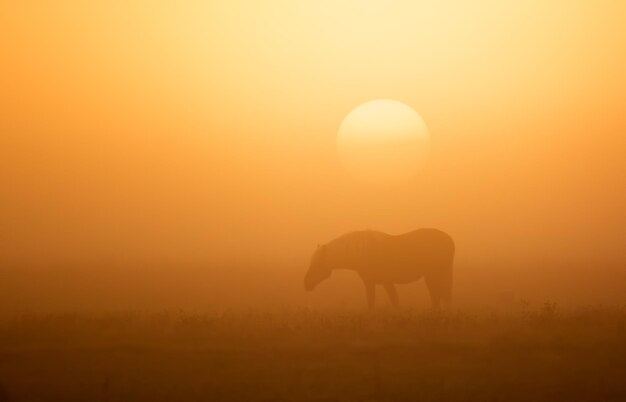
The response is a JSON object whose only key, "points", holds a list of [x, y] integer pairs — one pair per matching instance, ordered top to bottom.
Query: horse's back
{"points": [[428, 240], [408, 257]]}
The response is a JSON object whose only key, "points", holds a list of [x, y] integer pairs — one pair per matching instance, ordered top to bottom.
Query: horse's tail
{"points": [[439, 282], [446, 282]]}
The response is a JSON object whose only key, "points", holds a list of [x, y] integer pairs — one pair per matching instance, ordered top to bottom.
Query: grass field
{"points": [[533, 355]]}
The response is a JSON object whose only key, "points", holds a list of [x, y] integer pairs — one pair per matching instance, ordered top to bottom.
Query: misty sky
{"points": [[204, 132]]}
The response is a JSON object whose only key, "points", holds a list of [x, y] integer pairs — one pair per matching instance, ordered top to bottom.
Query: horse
{"points": [[383, 259]]}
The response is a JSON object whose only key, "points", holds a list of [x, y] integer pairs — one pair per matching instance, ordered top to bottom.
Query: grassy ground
{"points": [[302, 355]]}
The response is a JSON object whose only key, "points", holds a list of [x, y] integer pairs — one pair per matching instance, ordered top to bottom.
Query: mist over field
{"points": [[312, 200]]}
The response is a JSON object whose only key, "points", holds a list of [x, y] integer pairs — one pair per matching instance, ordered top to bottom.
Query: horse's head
{"points": [[319, 270]]}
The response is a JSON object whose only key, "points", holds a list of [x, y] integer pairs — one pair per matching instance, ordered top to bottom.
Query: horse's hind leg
{"points": [[433, 283], [393, 294]]}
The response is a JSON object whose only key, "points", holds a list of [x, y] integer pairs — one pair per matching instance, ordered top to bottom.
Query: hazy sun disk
{"points": [[383, 141]]}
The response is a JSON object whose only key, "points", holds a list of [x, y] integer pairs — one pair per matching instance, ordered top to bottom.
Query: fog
{"points": [[170, 156]]}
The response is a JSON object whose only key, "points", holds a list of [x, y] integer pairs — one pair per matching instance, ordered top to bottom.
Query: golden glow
{"points": [[205, 132], [383, 141]]}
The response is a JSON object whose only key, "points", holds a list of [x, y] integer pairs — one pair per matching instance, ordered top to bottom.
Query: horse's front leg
{"points": [[370, 292], [393, 294]]}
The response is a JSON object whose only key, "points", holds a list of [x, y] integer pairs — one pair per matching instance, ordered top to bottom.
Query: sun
{"points": [[383, 142]]}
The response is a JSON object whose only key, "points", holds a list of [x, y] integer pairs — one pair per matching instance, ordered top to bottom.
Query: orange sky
{"points": [[197, 131]]}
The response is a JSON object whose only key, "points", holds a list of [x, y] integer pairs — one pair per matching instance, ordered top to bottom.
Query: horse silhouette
{"points": [[380, 258]]}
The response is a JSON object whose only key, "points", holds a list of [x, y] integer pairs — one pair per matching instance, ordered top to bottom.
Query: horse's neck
{"points": [[347, 252]]}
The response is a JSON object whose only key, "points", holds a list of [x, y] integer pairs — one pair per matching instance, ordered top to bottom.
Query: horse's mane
{"points": [[353, 244]]}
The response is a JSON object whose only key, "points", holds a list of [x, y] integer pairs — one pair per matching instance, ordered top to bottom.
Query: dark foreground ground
{"points": [[540, 355]]}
